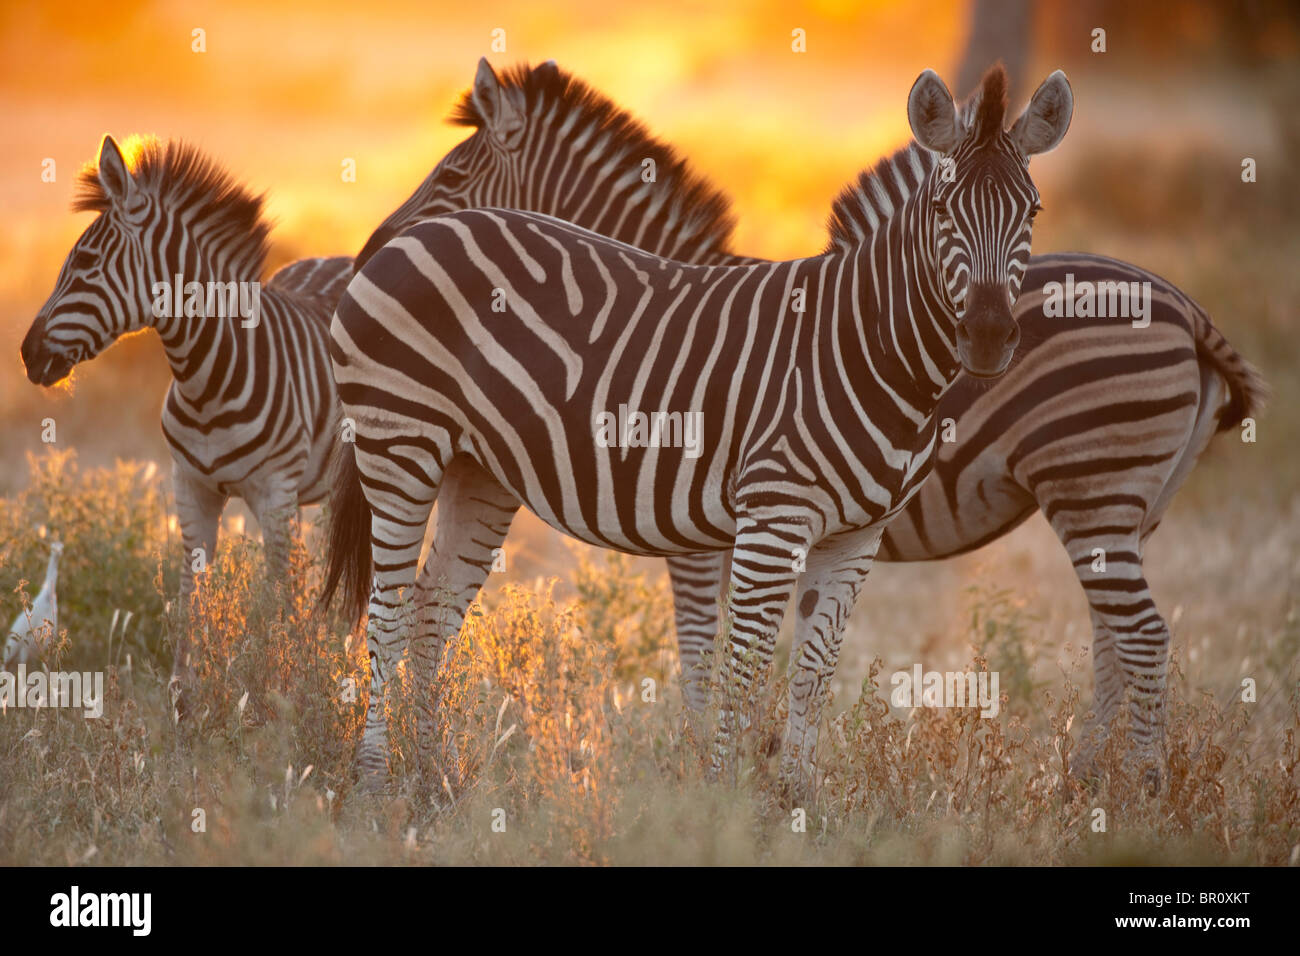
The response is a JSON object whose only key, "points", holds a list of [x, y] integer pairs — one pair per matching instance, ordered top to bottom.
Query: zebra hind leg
{"points": [[399, 514], [474, 516], [1130, 655]]}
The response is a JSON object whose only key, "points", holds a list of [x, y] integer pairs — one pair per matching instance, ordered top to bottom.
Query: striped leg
{"points": [[198, 508], [276, 508], [474, 516], [397, 524], [763, 576], [697, 581], [829, 588], [1130, 644], [1107, 692]]}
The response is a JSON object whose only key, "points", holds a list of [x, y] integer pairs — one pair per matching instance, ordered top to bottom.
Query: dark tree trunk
{"points": [[1000, 30]]}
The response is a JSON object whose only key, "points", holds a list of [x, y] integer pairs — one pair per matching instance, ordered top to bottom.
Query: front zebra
{"points": [[544, 141], [252, 409], [1097, 424], [809, 454]]}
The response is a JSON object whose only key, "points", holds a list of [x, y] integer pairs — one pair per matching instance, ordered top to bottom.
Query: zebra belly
{"points": [[630, 500]]}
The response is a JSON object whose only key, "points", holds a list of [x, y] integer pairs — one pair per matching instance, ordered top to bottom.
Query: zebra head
{"points": [[544, 141], [978, 204], [170, 212], [102, 290]]}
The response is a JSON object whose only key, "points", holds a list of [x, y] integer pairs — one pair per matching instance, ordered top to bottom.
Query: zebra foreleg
{"points": [[198, 509], [474, 516], [397, 523], [765, 564], [698, 581], [828, 590]]}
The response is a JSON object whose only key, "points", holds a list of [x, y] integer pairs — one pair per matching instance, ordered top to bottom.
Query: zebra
{"points": [[548, 142], [252, 408], [1096, 424], [793, 466], [955, 511]]}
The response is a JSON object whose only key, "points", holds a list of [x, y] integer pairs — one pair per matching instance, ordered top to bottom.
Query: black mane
{"points": [[178, 173], [703, 205]]}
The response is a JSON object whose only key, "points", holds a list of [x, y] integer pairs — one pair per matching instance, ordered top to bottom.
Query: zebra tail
{"points": [[1248, 393], [350, 559]]}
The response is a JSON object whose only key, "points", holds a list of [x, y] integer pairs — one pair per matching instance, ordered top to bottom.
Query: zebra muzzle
{"points": [[987, 334], [44, 365]]}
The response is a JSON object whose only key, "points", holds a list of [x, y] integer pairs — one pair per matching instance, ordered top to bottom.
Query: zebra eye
{"points": [[1033, 213], [84, 259]]}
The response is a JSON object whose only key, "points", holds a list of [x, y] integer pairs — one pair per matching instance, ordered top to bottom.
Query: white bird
{"points": [[31, 629]]}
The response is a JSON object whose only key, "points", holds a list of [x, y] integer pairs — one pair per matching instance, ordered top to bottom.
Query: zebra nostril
{"points": [[1013, 337]]}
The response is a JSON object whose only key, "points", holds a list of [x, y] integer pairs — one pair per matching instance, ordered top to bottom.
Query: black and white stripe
{"points": [[1159, 393], [252, 411], [818, 421], [1097, 424]]}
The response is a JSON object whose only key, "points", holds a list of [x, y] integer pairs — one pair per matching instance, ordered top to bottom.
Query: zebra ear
{"points": [[932, 113], [501, 117], [1044, 122], [113, 174]]}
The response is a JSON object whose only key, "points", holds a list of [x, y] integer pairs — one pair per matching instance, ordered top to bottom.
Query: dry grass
{"points": [[542, 712], [545, 725]]}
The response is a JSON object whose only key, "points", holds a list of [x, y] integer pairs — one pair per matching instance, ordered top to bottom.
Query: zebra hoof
{"points": [[180, 702], [371, 772], [1151, 778], [372, 783]]}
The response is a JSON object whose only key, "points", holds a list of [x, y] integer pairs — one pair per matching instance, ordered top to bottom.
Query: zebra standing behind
{"points": [[180, 246], [825, 433]]}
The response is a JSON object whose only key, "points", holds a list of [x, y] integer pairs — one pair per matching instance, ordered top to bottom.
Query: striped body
{"points": [[501, 338], [516, 410], [252, 411], [791, 461]]}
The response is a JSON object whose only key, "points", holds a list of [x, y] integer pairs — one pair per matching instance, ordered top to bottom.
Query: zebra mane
{"points": [[180, 175], [880, 191], [704, 207]]}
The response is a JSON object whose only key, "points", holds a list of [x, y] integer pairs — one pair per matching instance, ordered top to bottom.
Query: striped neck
{"points": [[215, 265], [901, 318]]}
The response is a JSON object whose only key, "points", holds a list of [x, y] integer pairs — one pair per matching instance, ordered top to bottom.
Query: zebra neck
{"points": [[216, 300], [901, 314], [189, 344]]}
